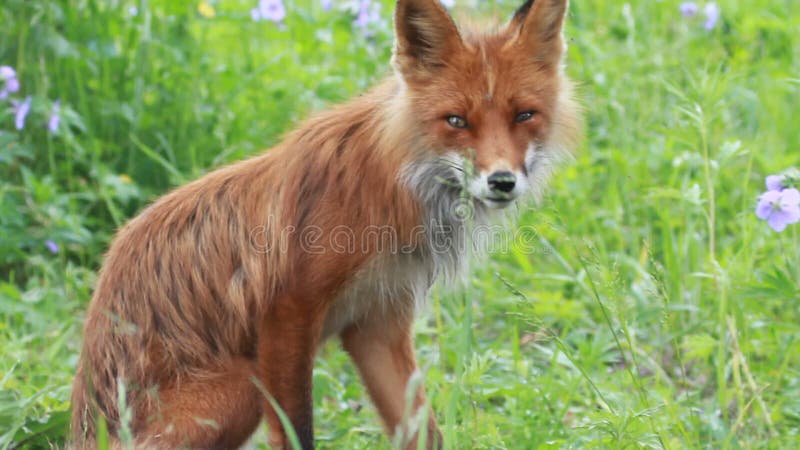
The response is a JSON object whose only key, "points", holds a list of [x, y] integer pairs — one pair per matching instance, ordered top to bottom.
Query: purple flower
{"points": [[327, 5], [689, 9], [269, 10], [712, 12], [368, 13], [7, 72], [10, 83], [21, 111], [55, 117], [775, 182], [779, 208], [52, 246]]}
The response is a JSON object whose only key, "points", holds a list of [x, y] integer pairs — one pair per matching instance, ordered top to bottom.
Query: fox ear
{"points": [[519, 16], [539, 24], [426, 35]]}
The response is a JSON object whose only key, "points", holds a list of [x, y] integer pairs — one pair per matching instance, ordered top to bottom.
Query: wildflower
{"points": [[448, 3], [327, 5], [689, 9], [206, 10], [269, 10], [368, 13], [712, 13], [7, 72], [10, 83], [21, 111], [55, 117], [775, 182], [779, 208], [52, 246]]}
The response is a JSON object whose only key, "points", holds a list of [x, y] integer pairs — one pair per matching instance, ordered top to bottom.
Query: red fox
{"points": [[212, 303]]}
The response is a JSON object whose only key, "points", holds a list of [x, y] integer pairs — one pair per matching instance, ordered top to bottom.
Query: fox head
{"points": [[496, 105]]}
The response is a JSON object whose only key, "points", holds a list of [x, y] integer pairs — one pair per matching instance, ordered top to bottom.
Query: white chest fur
{"points": [[397, 281]]}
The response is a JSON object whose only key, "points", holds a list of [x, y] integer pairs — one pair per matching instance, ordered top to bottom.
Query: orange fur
{"points": [[214, 293]]}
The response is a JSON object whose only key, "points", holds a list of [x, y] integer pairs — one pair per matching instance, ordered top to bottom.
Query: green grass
{"points": [[656, 310]]}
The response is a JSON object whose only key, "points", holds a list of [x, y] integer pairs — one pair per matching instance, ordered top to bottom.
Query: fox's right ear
{"points": [[519, 16], [538, 25], [425, 36]]}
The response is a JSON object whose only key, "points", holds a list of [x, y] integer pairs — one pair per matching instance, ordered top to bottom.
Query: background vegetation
{"points": [[657, 312]]}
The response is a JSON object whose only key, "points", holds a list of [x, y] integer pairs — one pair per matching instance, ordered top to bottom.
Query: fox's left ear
{"points": [[539, 24]]}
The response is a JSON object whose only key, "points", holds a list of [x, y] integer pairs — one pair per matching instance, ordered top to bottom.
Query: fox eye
{"points": [[524, 116], [456, 122]]}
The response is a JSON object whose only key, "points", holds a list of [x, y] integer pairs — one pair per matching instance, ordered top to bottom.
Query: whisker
{"points": [[450, 164]]}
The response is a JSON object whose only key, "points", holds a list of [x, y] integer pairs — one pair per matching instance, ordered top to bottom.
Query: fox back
{"points": [[212, 302]]}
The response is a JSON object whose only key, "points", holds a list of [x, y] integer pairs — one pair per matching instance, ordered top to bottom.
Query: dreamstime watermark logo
{"points": [[463, 209], [457, 235]]}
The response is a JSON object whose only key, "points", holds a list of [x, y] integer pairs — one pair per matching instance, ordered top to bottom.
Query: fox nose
{"points": [[502, 182]]}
